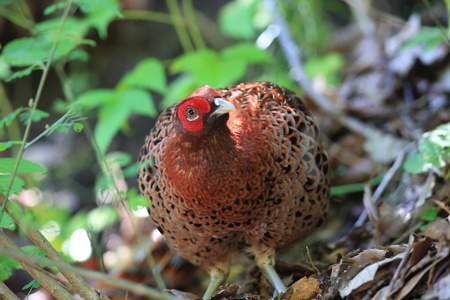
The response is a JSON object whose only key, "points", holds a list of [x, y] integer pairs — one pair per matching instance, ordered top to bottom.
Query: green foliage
{"points": [[236, 19], [429, 37], [327, 66], [214, 68], [130, 96], [434, 148], [7, 167], [136, 201], [428, 216], [7, 222], [7, 264], [33, 284]]}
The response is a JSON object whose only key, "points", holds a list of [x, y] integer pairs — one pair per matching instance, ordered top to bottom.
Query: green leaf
{"points": [[110, 5], [54, 7], [100, 18], [236, 19], [74, 29], [426, 35], [34, 50], [245, 52], [203, 64], [327, 66], [5, 70], [25, 72], [148, 74], [178, 89], [99, 97], [139, 102], [37, 116], [110, 120], [6, 121], [78, 127], [6, 145], [118, 158], [416, 164], [7, 166], [131, 170], [16, 187], [135, 200], [430, 214], [102, 217], [7, 222], [34, 251], [6, 266], [32, 284]]}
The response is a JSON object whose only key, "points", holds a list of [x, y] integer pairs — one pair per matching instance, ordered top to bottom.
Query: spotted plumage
{"points": [[226, 179]]}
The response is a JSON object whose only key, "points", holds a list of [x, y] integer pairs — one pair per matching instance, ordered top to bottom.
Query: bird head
{"points": [[203, 109]]}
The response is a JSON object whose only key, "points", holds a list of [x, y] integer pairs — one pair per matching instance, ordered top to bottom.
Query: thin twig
{"points": [[188, 8], [177, 18], [292, 54], [34, 106], [107, 170], [383, 184], [34, 234], [311, 261], [402, 263], [126, 285], [52, 286], [6, 293]]}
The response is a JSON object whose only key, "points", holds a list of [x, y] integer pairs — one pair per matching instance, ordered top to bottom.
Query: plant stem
{"points": [[188, 8], [146, 15], [16, 18], [177, 18], [436, 19], [34, 106], [6, 109], [107, 170], [34, 234], [104, 278], [52, 286], [6, 293]]}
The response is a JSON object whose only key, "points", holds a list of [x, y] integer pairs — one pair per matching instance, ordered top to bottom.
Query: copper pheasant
{"points": [[235, 171]]}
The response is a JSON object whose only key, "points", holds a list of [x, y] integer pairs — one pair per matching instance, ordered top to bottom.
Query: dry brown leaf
{"points": [[382, 147], [390, 221], [438, 230], [419, 251], [368, 257], [366, 275], [407, 288], [304, 289], [439, 290], [382, 294]]}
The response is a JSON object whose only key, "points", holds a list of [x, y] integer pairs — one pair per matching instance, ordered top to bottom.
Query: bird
{"points": [[235, 172]]}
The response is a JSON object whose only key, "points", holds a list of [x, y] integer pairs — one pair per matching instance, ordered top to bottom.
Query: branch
{"points": [[293, 54], [39, 240], [126, 285], [52, 286], [6, 293]]}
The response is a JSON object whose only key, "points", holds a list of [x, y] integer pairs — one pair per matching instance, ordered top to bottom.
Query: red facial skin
{"points": [[201, 106]]}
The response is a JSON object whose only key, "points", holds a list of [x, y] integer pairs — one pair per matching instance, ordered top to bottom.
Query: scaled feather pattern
{"points": [[238, 170]]}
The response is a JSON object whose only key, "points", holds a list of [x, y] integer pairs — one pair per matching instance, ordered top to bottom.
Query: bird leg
{"points": [[266, 263], [218, 276]]}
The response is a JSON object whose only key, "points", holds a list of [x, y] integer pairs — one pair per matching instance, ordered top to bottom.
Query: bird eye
{"points": [[191, 114]]}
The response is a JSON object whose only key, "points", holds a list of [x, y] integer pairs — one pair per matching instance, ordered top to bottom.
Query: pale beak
{"points": [[224, 107]]}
